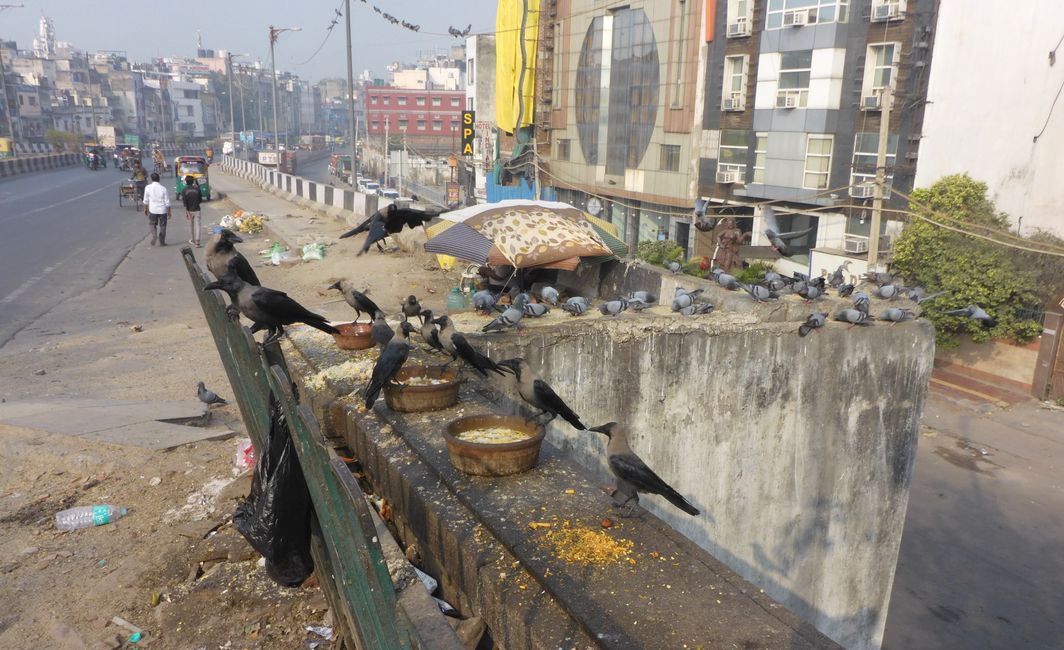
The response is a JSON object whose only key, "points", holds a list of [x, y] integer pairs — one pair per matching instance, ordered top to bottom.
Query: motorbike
{"points": [[94, 162]]}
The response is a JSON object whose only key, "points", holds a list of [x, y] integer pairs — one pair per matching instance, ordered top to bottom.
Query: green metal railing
{"points": [[347, 556]]}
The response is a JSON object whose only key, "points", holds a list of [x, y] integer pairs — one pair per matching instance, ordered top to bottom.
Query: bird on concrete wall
{"points": [[359, 301], [411, 307], [511, 318], [814, 322], [455, 342], [389, 363], [538, 393], [633, 475]]}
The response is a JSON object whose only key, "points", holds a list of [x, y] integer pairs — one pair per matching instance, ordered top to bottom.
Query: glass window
{"points": [[781, 13], [680, 44], [881, 58], [470, 68], [794, 69], [556, 86], [633, 90], [589, 91], [373, 99], [386, 99], [401, 101], [420, 101], [437, 101], [454, 102], [402, 125], [421, 125], [437, 125], [865, 148], [564, 149], [760, 155], [731, 156], [670, 157], [817, 161]]}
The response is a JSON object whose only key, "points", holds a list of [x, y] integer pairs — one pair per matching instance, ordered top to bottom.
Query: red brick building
{"points": [[431, 118]]}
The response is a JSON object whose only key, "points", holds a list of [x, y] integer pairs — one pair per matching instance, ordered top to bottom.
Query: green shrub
{"points": [[658, 251], [753, 274]]}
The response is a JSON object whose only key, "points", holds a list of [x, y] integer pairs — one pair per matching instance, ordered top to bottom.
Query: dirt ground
{"points": [[175, 567]]}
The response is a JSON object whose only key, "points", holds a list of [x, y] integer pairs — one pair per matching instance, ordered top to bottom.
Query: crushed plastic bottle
{"points": [[88, 516]]}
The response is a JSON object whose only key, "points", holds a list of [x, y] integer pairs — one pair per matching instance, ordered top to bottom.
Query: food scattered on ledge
{"points": [[353, 370], [586, 545]]}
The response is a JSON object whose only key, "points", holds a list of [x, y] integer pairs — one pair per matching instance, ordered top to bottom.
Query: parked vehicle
{"points": [[227, 148], [268, 158], [288, 162], [196, 167], [340, 167], [369, 187], [388, 193]]}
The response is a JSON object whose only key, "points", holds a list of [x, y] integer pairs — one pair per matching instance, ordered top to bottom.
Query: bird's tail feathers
{"points": [[803, 329], [678, 500]]}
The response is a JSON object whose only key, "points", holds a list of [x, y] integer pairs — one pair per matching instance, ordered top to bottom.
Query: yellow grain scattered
{"points": [[585, 545]]}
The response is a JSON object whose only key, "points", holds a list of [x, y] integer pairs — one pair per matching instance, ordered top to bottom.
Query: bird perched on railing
{"points": [[389, 221], [222, 257], [359, 301], [267, 308], [455, 342], [389, 363], [538, 393], [633, 475]]}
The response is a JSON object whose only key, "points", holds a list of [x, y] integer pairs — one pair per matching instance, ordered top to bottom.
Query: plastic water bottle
{"points": [[276, 251], [456, 300], [88, 516]]}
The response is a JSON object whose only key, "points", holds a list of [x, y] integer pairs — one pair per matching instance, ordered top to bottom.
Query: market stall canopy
{"points": [[522, 234]]}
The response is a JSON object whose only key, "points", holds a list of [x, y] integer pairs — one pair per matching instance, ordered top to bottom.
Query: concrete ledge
{"points": [[474, 534]]}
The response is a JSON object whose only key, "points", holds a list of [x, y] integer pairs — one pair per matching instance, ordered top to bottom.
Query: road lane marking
{"points": [[63, 202], [22, 288]]}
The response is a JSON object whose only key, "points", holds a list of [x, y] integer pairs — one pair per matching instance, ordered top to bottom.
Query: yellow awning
{"points": [[510, 91]]}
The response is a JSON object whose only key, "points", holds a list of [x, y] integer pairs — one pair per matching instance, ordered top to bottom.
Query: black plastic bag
{"points": [[275, 518]]}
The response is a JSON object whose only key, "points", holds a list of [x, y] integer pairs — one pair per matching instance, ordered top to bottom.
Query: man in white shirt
{"points": [[157, 207]]}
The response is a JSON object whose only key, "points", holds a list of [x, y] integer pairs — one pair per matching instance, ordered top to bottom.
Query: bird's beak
{"points": [[348, 233], [235, 238], [334, 285], [212, 286], [603, 428]]}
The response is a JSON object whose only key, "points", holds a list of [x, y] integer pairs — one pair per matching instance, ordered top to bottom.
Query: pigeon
{"points": [[778, 243], [673, 266], [772, 275], [838, 278], [879, 278], [725, 280], [776, 283], [845, 290], [681, 291], [889, 291], [758, 292], [811, 292], [549, 294], [918, 295], [644, 296], [358, 300], [682, 300], [483, 301], [860, 301], [576, 305], [638, 305], [411, 307], [613, 307], [268, 309], [536, 309], [697, 309], [975, 312], [895, 315], [853, 317], [511, 318], [815, 321], [381, 332], [455, 342], [389, 363], [539, 394], [208, 397], [633, 475]]}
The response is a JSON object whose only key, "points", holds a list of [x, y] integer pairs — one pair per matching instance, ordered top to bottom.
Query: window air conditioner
{"points": [[889, 10], [797, 18], [741, 27], [786, 99], [734, 102], [871, 102], [727, 178], [863, 191], [855, 244]]}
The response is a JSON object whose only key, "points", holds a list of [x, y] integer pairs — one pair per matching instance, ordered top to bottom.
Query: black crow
{"points": [[389, 221], [223, 258], [359, 301], [267, 308], [456, 344], [389, 363], [539, 394]]}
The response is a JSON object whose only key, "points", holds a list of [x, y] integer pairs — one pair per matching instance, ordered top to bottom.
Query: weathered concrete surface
{"points": [[799, 451], [473, 534]]}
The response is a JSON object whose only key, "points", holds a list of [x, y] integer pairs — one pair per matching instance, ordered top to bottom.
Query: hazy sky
{"points": [[169, 28]]}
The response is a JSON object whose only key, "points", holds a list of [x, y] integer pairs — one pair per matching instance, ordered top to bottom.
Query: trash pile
{"points": [[242, 221]]}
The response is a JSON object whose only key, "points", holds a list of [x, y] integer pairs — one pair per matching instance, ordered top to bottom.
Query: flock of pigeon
{"points": [[270, 310]]}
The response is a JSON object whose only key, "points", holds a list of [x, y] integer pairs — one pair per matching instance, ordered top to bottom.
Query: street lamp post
{"points": [[274, 33], [243, 118], [232, 120]]}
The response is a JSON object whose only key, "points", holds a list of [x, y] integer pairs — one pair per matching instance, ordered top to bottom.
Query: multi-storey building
{"points": [[430, 120]]}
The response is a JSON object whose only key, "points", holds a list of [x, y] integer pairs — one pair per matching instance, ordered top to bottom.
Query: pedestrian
{"points": [[140, 177], [190, 196], [157, 208]]}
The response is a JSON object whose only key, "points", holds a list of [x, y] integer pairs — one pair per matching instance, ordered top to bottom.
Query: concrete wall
{"points": [[989, 132], [29, 164], [1015, 363], [799, 451]]}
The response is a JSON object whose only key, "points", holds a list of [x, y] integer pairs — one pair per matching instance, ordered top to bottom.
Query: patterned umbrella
{"points": [[521, 234]]}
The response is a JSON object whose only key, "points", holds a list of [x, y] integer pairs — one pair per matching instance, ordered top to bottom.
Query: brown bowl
{"points": [[353, 336], [411, 399], [487, 459]]}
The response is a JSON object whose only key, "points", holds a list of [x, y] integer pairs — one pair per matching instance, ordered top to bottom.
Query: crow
{"points": [[389, 221], [223, 258], [359, 301], [411, 307], [267, 308], [381, 332], [430, 332], [455, 342], [389, 363], [539, 394], [208, 397], [633, 475]]}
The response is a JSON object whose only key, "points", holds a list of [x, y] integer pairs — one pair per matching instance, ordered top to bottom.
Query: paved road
{"points": [[317, 170], [63, 233], [982, 556]]}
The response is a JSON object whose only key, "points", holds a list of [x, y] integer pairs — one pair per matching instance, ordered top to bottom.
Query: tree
{"points": [[63, 140], [969, 270]]}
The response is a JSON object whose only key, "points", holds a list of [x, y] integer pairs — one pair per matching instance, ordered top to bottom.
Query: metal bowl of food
{"points": [[353, 336], [423, 389], [493, 445]]}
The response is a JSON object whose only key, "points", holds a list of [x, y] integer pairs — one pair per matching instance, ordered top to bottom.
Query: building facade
{"points": [[430, 120]]}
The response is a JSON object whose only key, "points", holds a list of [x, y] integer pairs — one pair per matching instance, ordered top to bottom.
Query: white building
{"points": [[480, 98], [992, 106], [188, 108]]}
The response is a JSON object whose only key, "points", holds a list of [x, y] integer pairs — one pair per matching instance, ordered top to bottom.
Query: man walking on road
{"points": [[191, 198], [157, 207]]}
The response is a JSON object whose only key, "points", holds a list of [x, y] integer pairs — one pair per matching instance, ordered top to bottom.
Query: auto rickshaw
{"points": [[196, 167]]}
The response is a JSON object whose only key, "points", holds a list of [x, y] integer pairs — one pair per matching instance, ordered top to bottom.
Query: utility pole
{"points": [[274, 33], [229, 56], [3, 90], [258, 98], [351, 119], [243, 121], [387, 156], [402, 156], [881, 178]]}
